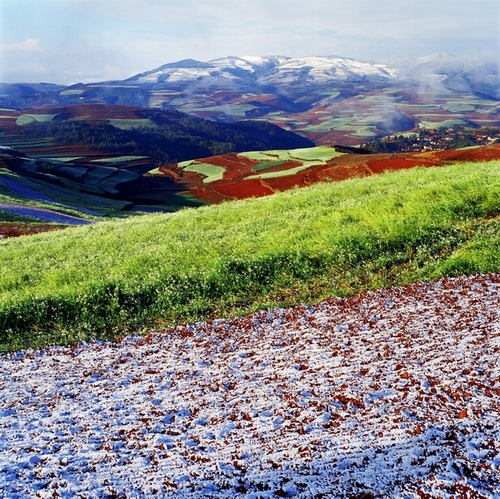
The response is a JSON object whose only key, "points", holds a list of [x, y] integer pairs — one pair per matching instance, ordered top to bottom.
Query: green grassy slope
{"points": [[296, 246]]}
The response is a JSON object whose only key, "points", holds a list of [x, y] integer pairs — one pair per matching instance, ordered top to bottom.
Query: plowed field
{"points": [[388, 394]]}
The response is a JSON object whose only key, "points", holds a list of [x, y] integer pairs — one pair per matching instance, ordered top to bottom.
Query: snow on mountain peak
{"points": [[266, 70]]}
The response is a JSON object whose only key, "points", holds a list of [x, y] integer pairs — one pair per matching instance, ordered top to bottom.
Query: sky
{"points": [[70, 41]]}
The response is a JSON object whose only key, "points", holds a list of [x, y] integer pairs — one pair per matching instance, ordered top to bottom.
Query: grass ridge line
{"points": [[298, 246]]}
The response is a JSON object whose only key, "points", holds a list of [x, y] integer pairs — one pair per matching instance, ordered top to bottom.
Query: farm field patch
{"points": [[237, 176]]}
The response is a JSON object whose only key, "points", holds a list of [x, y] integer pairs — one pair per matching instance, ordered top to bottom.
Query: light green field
{"points": [[71, 92], [458, 107], [230, 109], [24, 119], [125, 124], [438, 124], [360, 127], [28, 143], [319, 153], [309, 157], [63, 159], [118, 159], [264, 165], [209, 171], [282, 173]]}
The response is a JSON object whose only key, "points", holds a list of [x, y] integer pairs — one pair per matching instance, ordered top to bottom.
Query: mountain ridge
{"points": [[264, 70], [328, 99]]}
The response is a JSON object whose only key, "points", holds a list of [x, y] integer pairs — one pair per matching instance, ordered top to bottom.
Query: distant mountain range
{"points": [[263, 72], [327, 99]]}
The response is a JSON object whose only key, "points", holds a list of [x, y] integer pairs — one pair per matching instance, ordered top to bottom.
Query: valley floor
{"points": [[388, 394]]}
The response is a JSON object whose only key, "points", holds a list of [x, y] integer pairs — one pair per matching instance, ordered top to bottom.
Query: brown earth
{"points": [[11, 229]]}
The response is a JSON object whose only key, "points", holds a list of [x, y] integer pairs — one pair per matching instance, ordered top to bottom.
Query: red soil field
{"points": [[93, 112], [485, 153], [339, 172], [300, 179], [237, 182], [245, 189], [11, 229]]}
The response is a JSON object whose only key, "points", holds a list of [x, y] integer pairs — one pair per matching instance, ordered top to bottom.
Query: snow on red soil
{"points": [[392, 393]]}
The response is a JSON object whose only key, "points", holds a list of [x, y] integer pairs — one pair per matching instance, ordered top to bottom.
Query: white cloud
{"points": [[118, 38], [28, 45]]}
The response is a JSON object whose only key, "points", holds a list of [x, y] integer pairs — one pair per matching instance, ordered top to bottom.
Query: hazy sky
{"points": [[67, 41]]}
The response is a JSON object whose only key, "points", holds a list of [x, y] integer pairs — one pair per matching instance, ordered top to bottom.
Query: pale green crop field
{"points": [[24, 119], [129, 124], [118, 159], [208, 170], [282, 173]]}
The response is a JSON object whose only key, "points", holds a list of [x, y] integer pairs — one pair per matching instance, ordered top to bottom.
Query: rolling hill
{"points": [[327, 99], [93, 160]]}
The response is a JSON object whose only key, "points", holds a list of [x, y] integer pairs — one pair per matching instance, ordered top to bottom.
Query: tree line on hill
{"points": [[187, 138]]}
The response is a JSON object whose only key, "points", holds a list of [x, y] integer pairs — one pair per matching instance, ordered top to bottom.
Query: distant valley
{"points": [[326, 99], [191, 132]]}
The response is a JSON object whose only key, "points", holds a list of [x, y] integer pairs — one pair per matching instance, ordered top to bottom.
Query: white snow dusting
{"points": [[271, 69], [393, 393]]}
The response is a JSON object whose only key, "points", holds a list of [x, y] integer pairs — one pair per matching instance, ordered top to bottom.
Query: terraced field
{"points": [[261, 173]]}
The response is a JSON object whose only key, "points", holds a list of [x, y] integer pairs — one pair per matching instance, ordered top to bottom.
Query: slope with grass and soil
{"points": [[261, 173], [300, 245], [389, 389]]}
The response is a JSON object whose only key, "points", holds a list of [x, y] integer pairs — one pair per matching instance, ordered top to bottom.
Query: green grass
{"points": [[208, 170], [294, 247]]}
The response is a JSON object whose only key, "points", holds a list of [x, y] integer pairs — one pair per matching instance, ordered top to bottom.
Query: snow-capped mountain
{"points": [[271, 70]]}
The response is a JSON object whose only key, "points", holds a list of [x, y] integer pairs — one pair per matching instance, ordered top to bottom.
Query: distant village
{"points": [[438, 139]]}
